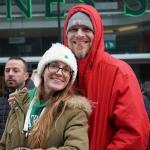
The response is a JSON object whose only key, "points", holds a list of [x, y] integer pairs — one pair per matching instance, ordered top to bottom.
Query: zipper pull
{"points": [[9, 134], [26, 134]]}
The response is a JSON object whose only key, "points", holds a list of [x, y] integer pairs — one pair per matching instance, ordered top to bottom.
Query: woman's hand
{"points": [[12, 96]]}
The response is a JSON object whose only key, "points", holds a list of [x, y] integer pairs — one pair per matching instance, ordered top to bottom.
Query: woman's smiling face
{"points": [[55, 81]]}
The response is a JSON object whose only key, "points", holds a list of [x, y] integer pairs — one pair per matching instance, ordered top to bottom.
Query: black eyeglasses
{"points": [[54, 68]]}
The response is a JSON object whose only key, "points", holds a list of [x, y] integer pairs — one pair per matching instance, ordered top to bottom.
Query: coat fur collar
{"points": [[80, 102]]}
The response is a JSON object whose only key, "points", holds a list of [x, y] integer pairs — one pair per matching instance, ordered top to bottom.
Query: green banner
{"points": [[26, 8]]}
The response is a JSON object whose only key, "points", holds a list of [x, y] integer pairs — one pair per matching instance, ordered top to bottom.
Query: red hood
{"points": [[98, 43], [85, 65]]}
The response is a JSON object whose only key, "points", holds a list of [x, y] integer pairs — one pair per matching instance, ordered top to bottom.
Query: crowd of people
{"points": [[84, 98]]}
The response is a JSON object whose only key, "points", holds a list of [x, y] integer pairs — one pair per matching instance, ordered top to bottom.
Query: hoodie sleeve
{"points": [[129, 115]]}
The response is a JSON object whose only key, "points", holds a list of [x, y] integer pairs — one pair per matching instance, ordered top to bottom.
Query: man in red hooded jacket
{"points": [[119, 120]]}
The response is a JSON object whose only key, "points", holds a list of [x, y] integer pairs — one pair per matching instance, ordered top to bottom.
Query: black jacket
{"points": [[4, 105], [147, 105]]}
